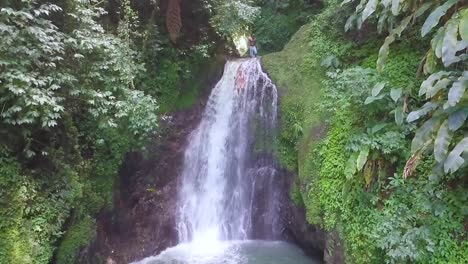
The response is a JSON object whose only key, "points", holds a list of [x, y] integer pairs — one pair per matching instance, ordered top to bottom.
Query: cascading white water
{"points": [[216, 191], [228, 191]]}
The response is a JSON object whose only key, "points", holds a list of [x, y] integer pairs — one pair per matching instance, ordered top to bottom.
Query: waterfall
{"points": [[229, 161], [229, 187]]}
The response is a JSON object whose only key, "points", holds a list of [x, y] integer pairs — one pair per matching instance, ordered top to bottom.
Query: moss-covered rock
{"points": [[314, 145], [77, 237]]}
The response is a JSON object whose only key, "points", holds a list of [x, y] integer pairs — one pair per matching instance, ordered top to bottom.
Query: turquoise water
{"points": [[232, 252]]}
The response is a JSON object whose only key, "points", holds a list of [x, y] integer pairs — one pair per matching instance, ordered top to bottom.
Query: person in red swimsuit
{"points": [[240, 80]]}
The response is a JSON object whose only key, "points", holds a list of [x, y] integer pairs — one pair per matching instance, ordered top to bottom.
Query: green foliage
{"points": [[231, 17], [277, 22], [445, 45], [171, 74], [30, 79], [41, 80], [71, 109], [445, 120], [352, 179], [296, 196], [77, 237], [14, 243]]}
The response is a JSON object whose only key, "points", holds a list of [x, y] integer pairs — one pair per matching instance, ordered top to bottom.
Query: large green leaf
{"points": [[345, 2], [386, 3], [395, 5], [369, 9], [422, 9], [433, 19], [350, 21], [381, 23], [403, 25], [463, 27], [437, 41], [449, 47], [383, 52], [430, 63], [430, 81], [441, 84], [377, 88], [458, 89], [395, 94], [372, 99], [417, 114], [399, 115], [457, 119], [376, 128], [424, 133], [442, 142], [362, 158], [454, 160], [350, 168]]}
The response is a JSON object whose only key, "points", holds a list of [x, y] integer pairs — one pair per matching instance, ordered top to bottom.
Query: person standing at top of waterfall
{"points": [[253, 46]]}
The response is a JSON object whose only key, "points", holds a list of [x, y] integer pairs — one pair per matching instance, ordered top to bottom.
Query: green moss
{"points": [[296, 196], [377, 225], [77, 237], [14, 244]]}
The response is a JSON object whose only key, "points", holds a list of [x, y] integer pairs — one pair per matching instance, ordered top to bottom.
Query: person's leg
{"points": [[251, 51], [255, 51]]}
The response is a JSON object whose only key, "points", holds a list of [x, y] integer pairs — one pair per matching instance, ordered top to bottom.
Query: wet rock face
{"points": [[142, 222]]}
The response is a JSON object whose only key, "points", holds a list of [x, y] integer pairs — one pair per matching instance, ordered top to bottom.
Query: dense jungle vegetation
{"points": [[373, 113]]}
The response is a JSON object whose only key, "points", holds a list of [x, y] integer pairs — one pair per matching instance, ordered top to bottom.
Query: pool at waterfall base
{"points": [[232, 252]]}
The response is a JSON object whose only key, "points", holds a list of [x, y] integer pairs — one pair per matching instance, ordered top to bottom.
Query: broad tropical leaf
{"points": [[345, 2], [395, 5], [369, 9], [422, 9], [434, 18], [350, 21], [403, 25], [463, 27], [437, 41], [449, 46], [384, 51], [430, 63], [430, 81], [441, 84], [377, 88], [458, 89], [395, 94], [371, 99], [399, 115], [415, 115], [457, 119], [376, 128], [424, 133], [442, 142], [362, 158], [454, 160], [350, 168]]}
